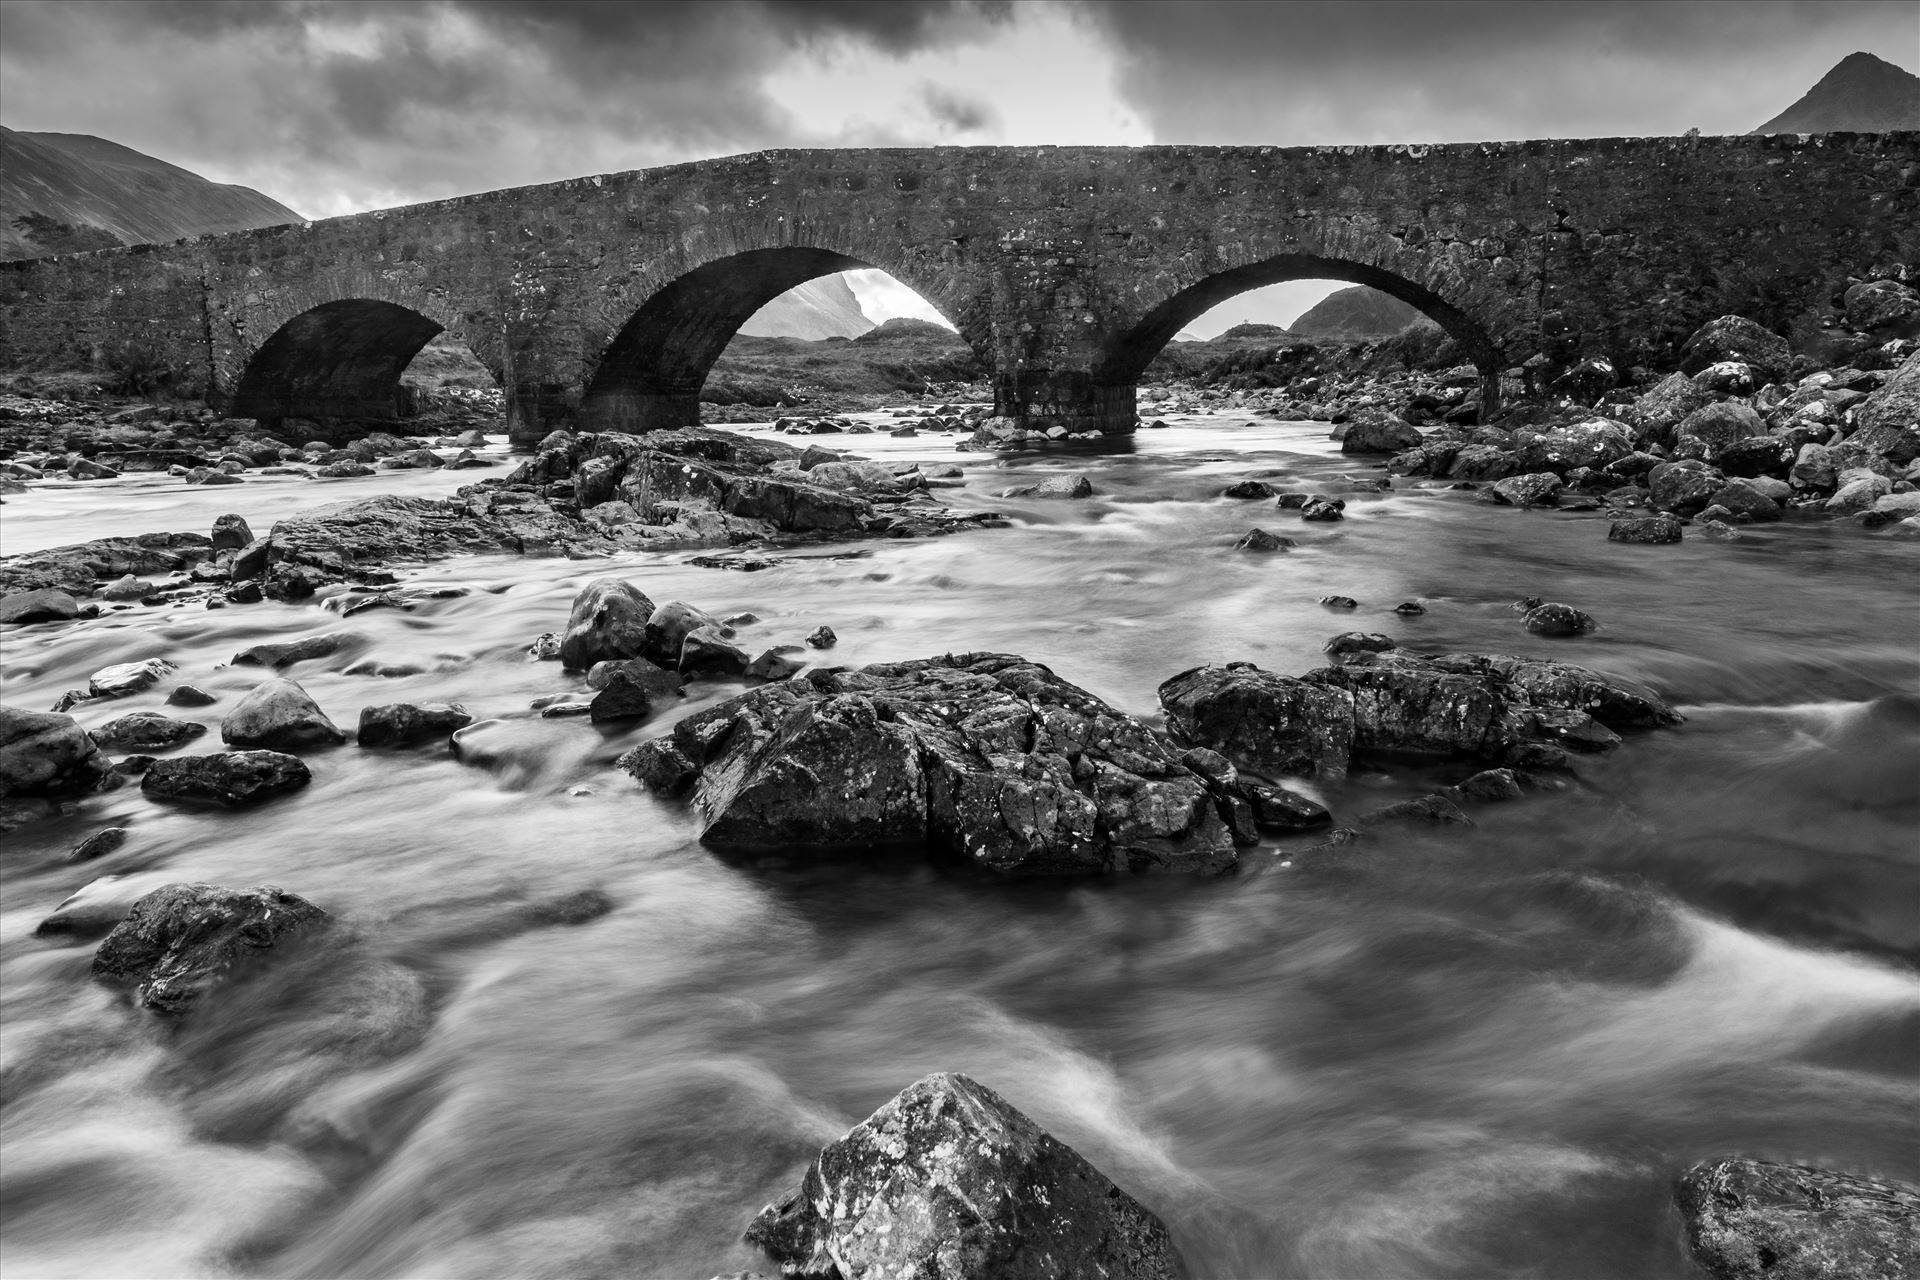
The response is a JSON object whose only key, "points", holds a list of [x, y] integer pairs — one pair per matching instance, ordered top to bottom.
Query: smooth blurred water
{"points": [[1479, 1053]]}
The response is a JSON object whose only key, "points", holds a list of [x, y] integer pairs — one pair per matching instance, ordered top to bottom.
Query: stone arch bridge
{"points": [[602, 302]]}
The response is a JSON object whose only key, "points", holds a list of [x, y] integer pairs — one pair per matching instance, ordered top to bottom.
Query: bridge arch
{"points": [[1127, 352], [340, 359], [650, 373]]}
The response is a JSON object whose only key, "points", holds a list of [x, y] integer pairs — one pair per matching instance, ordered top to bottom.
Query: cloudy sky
{"points": [[336, 106]]}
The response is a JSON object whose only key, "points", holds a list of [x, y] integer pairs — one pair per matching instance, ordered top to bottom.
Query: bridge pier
{"points": [[1042, 399], [635, 412]]}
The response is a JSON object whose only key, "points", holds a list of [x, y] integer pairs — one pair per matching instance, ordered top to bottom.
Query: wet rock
{"points": [[1874, 303], [1736, 338], [1887, 422], [1713, 428], [1379, 432], [1597, 442], [1756, 456], [1481, 462], [87, 469], [344, 471], [1067, 486], [1248, 489], [1536, 489], [1858, 494], [1744, 499], [1324, 509], [1644, 528], [1719, 531], [231, 533], [1261, 540], [76, 569], [126, 588], [1339, 602], [49, 604], [1410, 608], [1554, 619], [608, 621], [668, 627], [822, 637], [1358, 642], [545, 647], [305, 649], [708, 651], [774, 665], [126, 678], [659, 683], [187, 695], [623, 697], [1454, 706], [280, 716], [399, 723], [147, 731], [46, 753], [985, 757], [661, 767], [234, 779], [1489, 786], [1278, 809], [1435, 809], [98, 845], [98, 905], [182, 940], [949, 1180], [1756, 1220]]}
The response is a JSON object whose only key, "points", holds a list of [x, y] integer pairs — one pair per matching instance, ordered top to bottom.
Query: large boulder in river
{"points": [[1736, 338], [1661, 407], [1887, 422], [1711, 428], [1379, 432], [1595, 442], [1684, 488], [48, 604], [609, 621], [1522, 711], [279, 715], [399, 723], [147, 731], [45, 753], [985, 757], [233, 779], [181, 940], [949, 1181], [1755, 1220]]}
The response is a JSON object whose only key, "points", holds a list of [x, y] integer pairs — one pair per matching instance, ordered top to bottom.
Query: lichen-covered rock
{"points": [[1873, 303], [1736, 338], [1887, 422], [1708, 430], [1379, 432], [1593, 443], [1684, 487], [1535, 489], [1637, 527], [1553, 619], [608, 621], [279, 715], [399, 723], [45, 753], [985, 757], [234, 779], [182, 940], [949, 1181], [1755, 1220]]}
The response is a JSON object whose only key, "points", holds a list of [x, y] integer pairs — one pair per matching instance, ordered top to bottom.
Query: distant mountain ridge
{"points": [[1862, 94], [76, 181], [823, 308], [1358, 312]]}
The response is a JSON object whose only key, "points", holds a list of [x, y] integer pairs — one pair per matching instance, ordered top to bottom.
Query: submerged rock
{"points": [[1074, 485], [1644, 528], [1261, 540], [1553, 619], [286, 653], [400, 723], [147, 731], [986, 757], [234, 779], [181, 940], [948, 1180], [1755, 1220]]}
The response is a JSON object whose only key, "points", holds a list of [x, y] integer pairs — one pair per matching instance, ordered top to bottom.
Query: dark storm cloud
{"points": [[1413, 70], [957, 113]]}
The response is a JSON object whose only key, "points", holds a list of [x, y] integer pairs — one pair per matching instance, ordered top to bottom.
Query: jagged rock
{"points": [[1874, 303], [1736, 338], [1714, 427], [1756, 456], [1074, 485], [1247, 489], [1324, 509], [1644, 528], [77, 568], [1339, 602], [48, 604], [1559, 620], [608, 621], [668, 627], [822, 637], [1358, 642], [305, 649], [707, 651], [774, 665], [125, 678], [623, 697], [1454, 706], [280, 716], [399, 723], [147, 731], [46, 753], [986, 757], [234, 779], [1437, 809], [182, 940], [949, 1180], [1756, 1220]]}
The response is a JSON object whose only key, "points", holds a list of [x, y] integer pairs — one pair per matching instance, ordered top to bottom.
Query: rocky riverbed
{"points": [[543, 867]]}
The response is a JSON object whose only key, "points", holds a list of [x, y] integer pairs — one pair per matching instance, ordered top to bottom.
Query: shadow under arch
{"points": [[1127, 356], [341, 359], [649, 377]]}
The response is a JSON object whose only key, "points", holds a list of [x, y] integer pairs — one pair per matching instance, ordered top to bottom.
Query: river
{"points": [[1480, 1053]]}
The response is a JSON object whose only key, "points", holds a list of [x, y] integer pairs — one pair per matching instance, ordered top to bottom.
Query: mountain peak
{"points": [[1861, 94]]}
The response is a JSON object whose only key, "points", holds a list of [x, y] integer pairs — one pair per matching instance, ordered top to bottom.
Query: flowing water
{"points": [[1478, 1053]]}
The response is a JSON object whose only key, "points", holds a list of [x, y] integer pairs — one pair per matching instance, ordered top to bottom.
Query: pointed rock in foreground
{"points": [[949, 1180]]}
